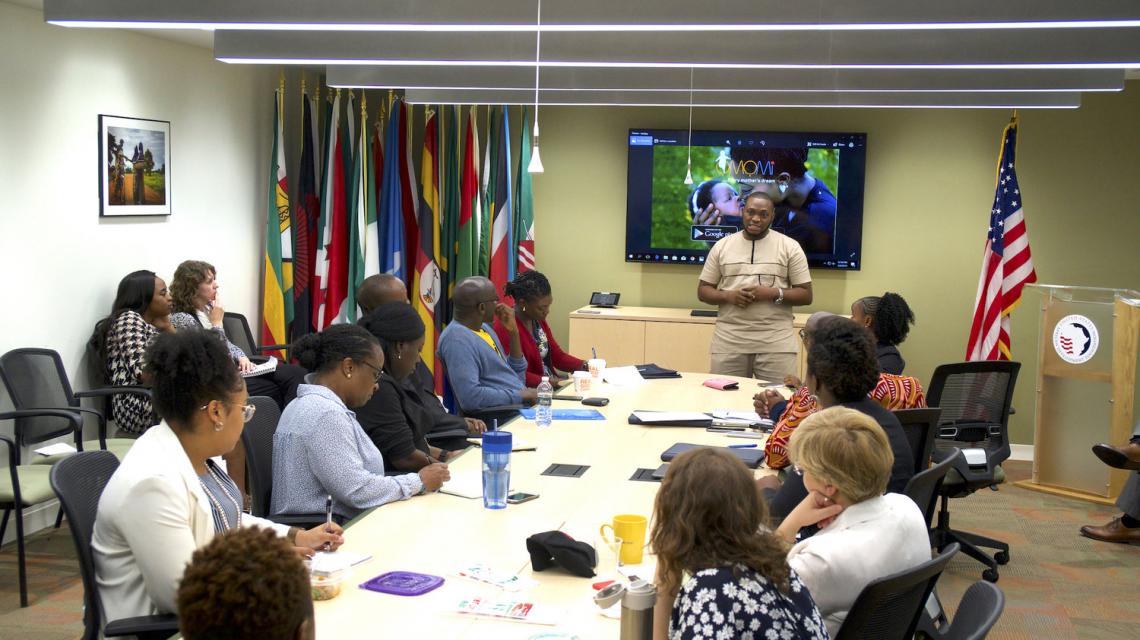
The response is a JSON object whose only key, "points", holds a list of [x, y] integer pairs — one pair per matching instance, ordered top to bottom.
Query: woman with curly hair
{"points": [[194, 291], [533, 297], [889, 318], [841, 370], [168, 497], [720, 571], [245, 585]]}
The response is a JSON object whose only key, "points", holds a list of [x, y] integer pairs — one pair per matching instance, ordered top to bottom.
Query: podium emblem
{"points": [[1075, 339]]}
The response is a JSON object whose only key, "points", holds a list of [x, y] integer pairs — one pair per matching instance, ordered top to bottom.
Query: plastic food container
{"points": [[326, 576]]}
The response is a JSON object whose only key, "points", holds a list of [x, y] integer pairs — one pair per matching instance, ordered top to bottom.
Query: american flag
{"points": [[1006, 263]]}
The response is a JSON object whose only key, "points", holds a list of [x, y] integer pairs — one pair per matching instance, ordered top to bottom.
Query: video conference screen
{"points": [[815, 179]]}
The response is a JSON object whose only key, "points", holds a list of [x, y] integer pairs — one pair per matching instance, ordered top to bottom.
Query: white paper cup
{"points": [[597, 367], [582, 380]]}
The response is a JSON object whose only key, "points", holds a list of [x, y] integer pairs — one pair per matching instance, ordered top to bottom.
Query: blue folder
{"points": [[568, 414]]}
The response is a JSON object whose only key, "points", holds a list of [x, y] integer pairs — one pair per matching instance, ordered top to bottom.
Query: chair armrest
{"points": [[270, 347], [103, 392], [69, 413], [301, 520], [149, 627]]}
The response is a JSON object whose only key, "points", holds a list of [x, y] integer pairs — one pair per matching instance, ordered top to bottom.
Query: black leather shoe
{"points": [[1126, 457]]}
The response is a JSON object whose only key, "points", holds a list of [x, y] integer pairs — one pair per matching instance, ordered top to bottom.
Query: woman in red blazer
{"points": [[531, 291]]}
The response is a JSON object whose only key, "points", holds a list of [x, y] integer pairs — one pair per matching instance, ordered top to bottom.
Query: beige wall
{"points": [[930, 180]]}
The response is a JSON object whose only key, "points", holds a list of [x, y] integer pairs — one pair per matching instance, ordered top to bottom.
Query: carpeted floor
{"points": [[1057, 585]]}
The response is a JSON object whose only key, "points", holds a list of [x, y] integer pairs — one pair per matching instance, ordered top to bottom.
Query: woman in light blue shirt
{"points": [[320, 449]]}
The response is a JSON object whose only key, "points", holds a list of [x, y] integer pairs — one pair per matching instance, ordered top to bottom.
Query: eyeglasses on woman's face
{"points": [[247, 410]]}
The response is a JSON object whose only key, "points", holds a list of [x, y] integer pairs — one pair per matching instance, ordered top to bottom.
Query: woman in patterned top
{"points": [[141, 310], [721, 573]]}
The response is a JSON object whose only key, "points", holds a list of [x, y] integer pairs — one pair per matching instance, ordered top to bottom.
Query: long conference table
{"points": [[439, 534]]}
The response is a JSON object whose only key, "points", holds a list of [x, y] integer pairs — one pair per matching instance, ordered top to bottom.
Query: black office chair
{"points": [[237, 330], [35, 379], [975, 399], [920, 427], [257, 437], [79, 481], [923, 488], [888, 608], [978, 611]]}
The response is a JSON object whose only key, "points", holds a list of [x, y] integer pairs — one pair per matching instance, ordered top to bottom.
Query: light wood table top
{"points": [[439, 533]]}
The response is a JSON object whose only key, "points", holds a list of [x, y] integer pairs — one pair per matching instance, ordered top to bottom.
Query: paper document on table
{"points": [[269, 366], [623, 376], [650, 417], [517, 444], [56, 449], [464, 485], [350, 558], [502, 579], [516, 610]]}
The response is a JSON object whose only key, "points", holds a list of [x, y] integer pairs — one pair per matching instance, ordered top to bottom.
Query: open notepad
{"points": [[269, 366], [465, 485]]}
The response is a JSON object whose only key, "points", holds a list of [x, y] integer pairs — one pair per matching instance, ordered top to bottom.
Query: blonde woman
{"points": [[845, 460]]}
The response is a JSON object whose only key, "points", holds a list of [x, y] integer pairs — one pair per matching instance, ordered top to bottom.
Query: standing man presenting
{"points": [[756, 276]]}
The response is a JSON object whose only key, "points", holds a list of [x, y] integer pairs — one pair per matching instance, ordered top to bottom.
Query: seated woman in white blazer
{"points": [[845, 460], [168, 497]]}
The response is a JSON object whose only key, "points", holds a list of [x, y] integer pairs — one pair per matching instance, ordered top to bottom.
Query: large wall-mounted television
{"points": [[816, 180]]}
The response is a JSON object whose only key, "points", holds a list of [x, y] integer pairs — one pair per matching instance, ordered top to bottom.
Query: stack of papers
{"points": [[623, 376], [664, 417]]}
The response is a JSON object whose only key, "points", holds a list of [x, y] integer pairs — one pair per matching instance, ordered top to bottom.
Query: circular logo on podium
{"points": [[1075, 339]]}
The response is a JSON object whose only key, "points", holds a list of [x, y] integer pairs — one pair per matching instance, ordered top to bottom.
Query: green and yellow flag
{"points": [[277, 290]]}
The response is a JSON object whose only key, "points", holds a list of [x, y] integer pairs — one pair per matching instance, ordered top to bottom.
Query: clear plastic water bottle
{"points": [[543, 414], [496, 468]]}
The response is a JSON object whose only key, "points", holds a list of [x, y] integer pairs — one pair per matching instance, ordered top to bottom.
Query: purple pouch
{"points": [[403, 583]]}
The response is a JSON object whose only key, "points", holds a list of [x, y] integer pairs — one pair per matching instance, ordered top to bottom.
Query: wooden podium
{"points": [[1086, 384]]}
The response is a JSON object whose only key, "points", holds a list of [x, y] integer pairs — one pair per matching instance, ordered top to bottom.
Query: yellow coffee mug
{"points": [[631, 530]]}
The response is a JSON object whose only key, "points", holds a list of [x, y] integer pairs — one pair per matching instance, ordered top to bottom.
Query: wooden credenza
{"points": [[671, 338]]}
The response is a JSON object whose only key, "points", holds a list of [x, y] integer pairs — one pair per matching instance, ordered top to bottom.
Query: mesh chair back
{"points": [[237, 330], [35, 379], [975, 398], [920, 427], [258, 440], [79, 481], [923, 486], [888, 608], [977, 613]]}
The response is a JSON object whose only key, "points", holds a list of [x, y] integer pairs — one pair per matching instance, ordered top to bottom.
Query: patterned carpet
{"points": [[1057, 585]]}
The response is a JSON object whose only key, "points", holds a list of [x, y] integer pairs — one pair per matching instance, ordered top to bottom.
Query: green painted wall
{"points": [[930, 181]]}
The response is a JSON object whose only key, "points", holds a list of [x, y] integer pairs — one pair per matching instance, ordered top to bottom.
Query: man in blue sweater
{"points": [[481, 374]]}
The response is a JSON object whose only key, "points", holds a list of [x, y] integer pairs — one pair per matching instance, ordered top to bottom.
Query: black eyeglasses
{"points": [[376, 372]]}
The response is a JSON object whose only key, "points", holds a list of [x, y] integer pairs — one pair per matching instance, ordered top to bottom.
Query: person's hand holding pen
{"points": [[323, 537]]}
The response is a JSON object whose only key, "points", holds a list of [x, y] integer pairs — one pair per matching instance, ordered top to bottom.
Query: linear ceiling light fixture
{"points": [[679, 65], [689, 158], [535, 165]]}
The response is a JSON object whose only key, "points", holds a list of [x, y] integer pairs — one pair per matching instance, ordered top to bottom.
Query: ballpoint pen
{"points": [[742, 446], [328, 520]]}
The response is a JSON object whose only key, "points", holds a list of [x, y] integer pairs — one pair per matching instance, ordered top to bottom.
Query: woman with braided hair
{"points": [[532, 294], [889, 318]]}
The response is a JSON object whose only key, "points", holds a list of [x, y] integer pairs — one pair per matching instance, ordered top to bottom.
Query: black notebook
{"points": [[752, 458]]}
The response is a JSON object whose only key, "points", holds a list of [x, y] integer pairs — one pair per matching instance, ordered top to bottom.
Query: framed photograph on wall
{"points": [[134, 166]]}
